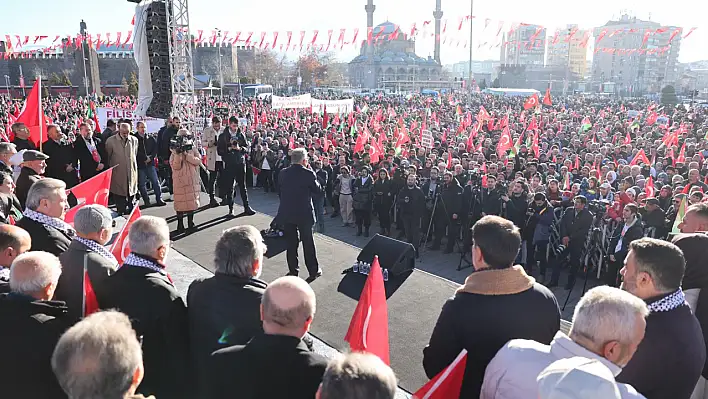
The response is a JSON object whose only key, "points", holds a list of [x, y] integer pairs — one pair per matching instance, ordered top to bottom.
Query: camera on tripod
{"points": [[182, 143], [598, 207]]}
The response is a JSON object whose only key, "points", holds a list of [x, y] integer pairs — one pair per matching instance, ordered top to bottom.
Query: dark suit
{"points": [[21, 144], [60, 157], [88, 164], [234, 166], [25, 180], [297, 186], [9, 207], [633, 233], [45, 238], [70, 287], [159, 317], [214, 324], [31, 329], [267, 367]]}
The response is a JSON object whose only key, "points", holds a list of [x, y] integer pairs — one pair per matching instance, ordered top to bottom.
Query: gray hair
{"points": [[6, 148], [298, 155], [43, 189], [93, 218], [147, 234], [237, 249], [32, 272], [606, 314], [289, 316], [97, 357], [358, 376]]}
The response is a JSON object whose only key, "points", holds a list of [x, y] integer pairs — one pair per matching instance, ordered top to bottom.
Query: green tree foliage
{"points": [[668, 95]]}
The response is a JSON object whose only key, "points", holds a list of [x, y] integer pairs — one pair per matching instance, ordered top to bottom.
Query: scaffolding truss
{"points": [[180, 41]]}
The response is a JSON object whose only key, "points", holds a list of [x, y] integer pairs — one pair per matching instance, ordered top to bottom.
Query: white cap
{"points": [[17, 159], [577, 378]]}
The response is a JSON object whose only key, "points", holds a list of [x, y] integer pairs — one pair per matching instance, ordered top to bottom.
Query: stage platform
{"points": [[414, 300]]}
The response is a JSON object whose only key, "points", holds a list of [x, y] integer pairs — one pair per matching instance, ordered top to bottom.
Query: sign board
{"points": [[302, 101], [333, 106], [152, 125], [427, 139]]}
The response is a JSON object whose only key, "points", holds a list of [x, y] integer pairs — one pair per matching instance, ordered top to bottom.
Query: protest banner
{"points": [[302, 101], [333, 106], [152, 125], [427, 139]]}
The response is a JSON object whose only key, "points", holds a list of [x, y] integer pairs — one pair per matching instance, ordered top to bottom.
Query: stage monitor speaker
{"points": [[396, 256]]}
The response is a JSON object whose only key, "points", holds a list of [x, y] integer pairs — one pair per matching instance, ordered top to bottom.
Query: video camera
{"points": [[182, 143], [598, 207]]}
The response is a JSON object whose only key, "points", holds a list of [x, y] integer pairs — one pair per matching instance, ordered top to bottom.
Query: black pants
{"points": [[165, 171], [234, 173], [213, 174], [266, 176], [124, 205], [384, 212], [363, 217], [411, 225], [453, 229], [308, 247], [574, 251], [536, 252], [613, 278]]}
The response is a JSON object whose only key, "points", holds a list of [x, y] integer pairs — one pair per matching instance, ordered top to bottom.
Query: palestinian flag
{"points": [[365, 109], [459, 110], [91, 114], [586, 125], [352, 132], [679, 216]]}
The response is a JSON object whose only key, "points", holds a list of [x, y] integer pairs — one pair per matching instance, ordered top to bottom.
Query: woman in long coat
{"points": [[186, 183], [383, 199]]}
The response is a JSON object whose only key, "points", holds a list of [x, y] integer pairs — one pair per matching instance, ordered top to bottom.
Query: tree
{"points": [[267, 67], [314, 67], [64, 78], [55, 80], [495, 83], [124, 84], [132, 84], [668, 95]]}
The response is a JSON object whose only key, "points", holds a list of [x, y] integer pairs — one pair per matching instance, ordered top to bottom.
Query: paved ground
{"points": [[433, 262]]}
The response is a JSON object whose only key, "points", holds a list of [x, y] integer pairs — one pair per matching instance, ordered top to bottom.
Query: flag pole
{"points": [[39, 107]]}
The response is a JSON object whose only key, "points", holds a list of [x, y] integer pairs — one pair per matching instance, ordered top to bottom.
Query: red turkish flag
{"points": [[547, 98], [531, 102], [33, 116], [651, 119], [532, 125], [627, 139], [504, 142], [534, 146], [682, 154], [640, 157], [449, 159], [649, 187], [92, 191], [121, 247], [90, 303], [368, 330], [448, 383]]}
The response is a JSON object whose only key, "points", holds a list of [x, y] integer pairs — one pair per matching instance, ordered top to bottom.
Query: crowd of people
{"points": [[472, 173]]}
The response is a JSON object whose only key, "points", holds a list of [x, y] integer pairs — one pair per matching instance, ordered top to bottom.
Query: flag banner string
{"points": [[16, 45]]}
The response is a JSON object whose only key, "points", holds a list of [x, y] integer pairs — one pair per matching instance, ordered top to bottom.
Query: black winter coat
{"points": [[60, 156], [229, 156], [86, 161], [25, 180], [298, 184], [363, 194], [383, 195], [450, 200], [411, 202], [516, 210], [576, 227], [633, 233], [45, 238], [159, 317], [215, 324], [30, 331], [670, 358], [267, 367]]}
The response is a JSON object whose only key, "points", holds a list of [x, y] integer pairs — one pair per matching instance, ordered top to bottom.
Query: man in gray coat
{"points": [[122, 152], [94, 228]]}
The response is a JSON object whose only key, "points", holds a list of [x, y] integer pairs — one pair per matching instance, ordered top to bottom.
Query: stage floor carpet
{"points": [[414, 301]]}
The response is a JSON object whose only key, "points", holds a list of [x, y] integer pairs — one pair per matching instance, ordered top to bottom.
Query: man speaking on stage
{"points": [[296, 185]]}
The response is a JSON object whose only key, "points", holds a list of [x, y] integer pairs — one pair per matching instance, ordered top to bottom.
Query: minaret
{"points": [[370, 7], [438, 15]]}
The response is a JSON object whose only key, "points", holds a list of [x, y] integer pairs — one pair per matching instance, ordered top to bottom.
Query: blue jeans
{"points": [[149, 172], [318, 204]]}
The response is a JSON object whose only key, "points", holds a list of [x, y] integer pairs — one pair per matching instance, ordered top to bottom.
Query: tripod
{"points": [[430, 223], [466, 233], [584, 259]]}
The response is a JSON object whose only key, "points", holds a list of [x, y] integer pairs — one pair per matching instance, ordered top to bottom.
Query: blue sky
{"points": [[54, 17]]}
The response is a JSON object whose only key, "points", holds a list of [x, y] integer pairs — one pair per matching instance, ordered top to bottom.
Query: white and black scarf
{"points": [[49, 221], [99, 249], [669, 302]]}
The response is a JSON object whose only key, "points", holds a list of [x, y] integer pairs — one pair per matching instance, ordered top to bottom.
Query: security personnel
{"points": [[232, 147], [431, 189], [490, 198], [411, 203], [448, 213]]}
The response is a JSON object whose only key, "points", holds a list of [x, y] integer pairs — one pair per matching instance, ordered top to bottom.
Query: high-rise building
{"points": [[525, 45], [568, 47], [637, 56]]}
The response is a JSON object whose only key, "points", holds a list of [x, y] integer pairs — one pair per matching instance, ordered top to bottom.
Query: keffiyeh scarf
{"points": [[49, 221], [98, 248], [669, 302]]}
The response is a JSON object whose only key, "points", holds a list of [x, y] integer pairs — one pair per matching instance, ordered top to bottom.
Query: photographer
{"points": [[164, 138], [232, 146], [185, 163], [411, 204], [448, 213], [574, 228], [628, 230], [537, 232]]}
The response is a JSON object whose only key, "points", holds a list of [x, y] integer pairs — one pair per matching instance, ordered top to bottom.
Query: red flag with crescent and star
{"points": [[531, 102], [504, 142], [92, 191], [121, 247]]}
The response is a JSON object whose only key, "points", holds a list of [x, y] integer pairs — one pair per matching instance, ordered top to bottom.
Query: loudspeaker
{"points": [[396, 256]]}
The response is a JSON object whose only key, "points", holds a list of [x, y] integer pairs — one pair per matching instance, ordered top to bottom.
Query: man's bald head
{"points": [[14, 241], [35, 274], [288, 307]]}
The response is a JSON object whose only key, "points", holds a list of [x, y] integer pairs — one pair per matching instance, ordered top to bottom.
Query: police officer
{"points": [[232, 147], [411, 203], [448, 212]]}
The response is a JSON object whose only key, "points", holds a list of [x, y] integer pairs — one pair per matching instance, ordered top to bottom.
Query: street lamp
{"points": [[221, 72], [7, 84]]}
